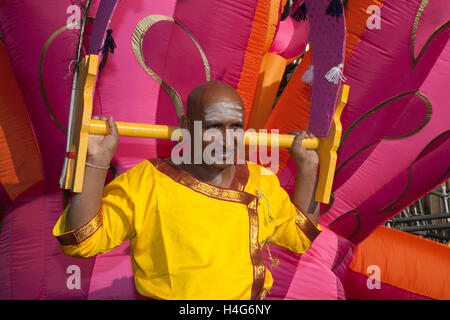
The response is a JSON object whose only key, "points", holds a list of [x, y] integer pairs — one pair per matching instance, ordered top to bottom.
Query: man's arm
{"points": [[101, 149], [307, 162]]}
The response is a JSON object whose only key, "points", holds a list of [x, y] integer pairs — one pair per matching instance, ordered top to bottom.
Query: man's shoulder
{"points": [[141, 168], [257, 170], [262, 178]]}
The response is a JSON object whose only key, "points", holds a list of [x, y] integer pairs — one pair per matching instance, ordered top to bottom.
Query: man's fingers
{"points": [[100, 118], [112, 127], [310, 135], [299, 136], [298, 139]]}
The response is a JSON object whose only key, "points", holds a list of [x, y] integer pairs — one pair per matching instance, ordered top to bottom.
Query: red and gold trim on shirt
{"points": [[234, 194], [306, 225], [82, 233], [259, 268]]}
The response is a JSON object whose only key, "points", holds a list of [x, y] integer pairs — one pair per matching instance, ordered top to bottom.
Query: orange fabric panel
{"points": [[356, 21], [253, 56], [272, 70], [270, 74], [292, 109], [20, 164], [406, 261]]}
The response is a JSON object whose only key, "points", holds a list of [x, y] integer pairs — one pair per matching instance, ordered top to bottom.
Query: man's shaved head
{"points": [[210, 93]]}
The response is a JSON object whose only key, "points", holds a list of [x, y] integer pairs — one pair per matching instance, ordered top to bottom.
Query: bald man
{"points": [[196, 228]]}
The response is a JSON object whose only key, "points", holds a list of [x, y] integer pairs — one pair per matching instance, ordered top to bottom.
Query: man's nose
{"points": [[230, 137]]}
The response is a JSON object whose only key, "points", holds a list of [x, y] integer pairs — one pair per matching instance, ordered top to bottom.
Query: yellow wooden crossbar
{"points": [[140, 130]]}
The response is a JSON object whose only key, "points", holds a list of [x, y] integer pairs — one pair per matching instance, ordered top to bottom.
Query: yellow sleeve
{"points": [[112, 224], [293, 229], [296, 232]]}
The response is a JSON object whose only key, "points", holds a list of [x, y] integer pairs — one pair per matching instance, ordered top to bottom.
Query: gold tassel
{"points": [[259, 194], [275, 262]]}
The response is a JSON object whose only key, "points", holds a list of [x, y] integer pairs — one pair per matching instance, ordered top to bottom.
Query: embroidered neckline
{"points": [[238, 183]]}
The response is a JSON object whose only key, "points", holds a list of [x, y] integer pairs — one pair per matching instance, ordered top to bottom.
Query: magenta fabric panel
{"points": [[435, 15], [37, 21], [222, 28], [124, 89], [399, 118], [388, 124], [421, 177], [27, 249], [343, 257], [33, 265], [60, 269], [283, 273], [312, 275], [112, 276], [313, 281], [356, 287]]}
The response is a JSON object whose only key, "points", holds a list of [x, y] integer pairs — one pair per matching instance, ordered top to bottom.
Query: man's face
{"points": [[223, 125], [222, 130]]}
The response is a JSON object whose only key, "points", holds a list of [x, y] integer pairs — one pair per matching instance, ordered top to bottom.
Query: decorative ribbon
{"points": [[138, 38], [41, 78]]}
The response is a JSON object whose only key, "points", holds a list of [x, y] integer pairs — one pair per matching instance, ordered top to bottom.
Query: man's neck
{"points": [[219, 177]]}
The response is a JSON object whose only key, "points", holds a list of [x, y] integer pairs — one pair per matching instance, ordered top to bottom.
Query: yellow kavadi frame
{"points": [[81, 126], [73, 170]]}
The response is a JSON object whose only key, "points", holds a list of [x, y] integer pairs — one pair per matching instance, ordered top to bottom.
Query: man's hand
{"points": [[101, 148], [301, 156], [307, 162]]}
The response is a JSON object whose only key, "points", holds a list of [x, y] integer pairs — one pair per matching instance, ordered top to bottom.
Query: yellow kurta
{"points": [[189, 239]]}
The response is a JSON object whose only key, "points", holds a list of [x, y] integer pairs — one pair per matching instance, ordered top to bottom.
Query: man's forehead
{"points": [[213, 96], [224, 110]]}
